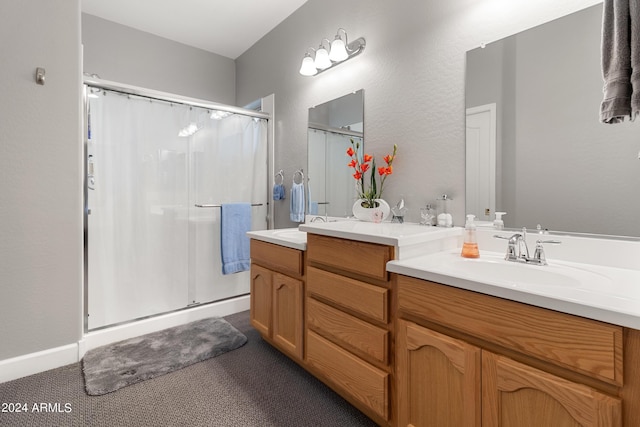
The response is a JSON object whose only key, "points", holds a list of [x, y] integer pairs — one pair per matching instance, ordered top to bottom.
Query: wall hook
{"points": [[40, 75]]}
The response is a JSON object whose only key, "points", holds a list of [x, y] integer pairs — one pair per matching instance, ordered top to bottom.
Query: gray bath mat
{"points": [[127, 362]]}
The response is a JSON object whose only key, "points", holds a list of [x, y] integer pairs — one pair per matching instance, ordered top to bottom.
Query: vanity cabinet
{"points": [[277, 296], [348, 325], [467, 359]]}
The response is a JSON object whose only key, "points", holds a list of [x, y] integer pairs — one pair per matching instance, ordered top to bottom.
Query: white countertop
{"points": [[289, 237], [409, 239], [605, 293]]}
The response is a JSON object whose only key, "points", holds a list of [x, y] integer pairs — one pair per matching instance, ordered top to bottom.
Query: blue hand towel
{"points": [[278, 192], [297, 203], [313, 208], [235, 222]]}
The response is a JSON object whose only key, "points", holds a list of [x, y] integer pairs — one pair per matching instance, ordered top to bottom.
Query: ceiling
{"points": [[224, 27]]}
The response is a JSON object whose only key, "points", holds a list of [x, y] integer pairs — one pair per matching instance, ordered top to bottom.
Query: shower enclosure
{"points": [[158, 170], [332, 189]]}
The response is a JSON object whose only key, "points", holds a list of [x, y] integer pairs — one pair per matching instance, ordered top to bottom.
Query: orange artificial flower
{"points": [[385, 170], [374, 191]]}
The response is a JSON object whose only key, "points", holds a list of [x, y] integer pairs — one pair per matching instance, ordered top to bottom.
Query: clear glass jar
{"points": [[428, 215]]}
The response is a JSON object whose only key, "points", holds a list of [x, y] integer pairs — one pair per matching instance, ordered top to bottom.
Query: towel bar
{"points": [[218, 206]]}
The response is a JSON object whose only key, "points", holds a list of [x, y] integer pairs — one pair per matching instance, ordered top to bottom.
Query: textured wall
{"points": [[125, 55], [412, 72], [40, 177]]}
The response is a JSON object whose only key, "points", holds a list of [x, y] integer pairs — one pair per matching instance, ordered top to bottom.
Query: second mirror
{"points": [[332, 125]]}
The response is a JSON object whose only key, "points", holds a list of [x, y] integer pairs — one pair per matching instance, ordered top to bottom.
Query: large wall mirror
{"points": [[332, 125], [535, 146]]}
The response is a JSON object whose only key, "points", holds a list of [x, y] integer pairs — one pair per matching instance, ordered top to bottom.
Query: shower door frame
{"points": [[91, 82]]}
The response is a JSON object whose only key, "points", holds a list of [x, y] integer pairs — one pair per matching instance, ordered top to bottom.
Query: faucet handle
{"points": [[553, 242], [513, 249], [539, 256]]}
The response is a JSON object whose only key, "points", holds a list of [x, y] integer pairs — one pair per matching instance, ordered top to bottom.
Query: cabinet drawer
{"points": [[279, 258], [367, 259], [360, 297], [345, 329], [583, 345], [365, 383]]}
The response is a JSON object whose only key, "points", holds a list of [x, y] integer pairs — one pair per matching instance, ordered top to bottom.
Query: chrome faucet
{"points": [[318, 218], [518, 251]]}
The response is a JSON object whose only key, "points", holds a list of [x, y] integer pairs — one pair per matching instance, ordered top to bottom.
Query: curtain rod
{"points": [[169, 97], [219, 206]]}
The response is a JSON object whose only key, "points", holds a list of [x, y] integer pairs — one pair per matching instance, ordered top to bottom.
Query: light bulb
{"points": [[338, 50], [322, 59], [308, 68]]}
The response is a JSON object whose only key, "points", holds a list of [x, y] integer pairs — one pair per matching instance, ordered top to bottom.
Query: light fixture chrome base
{"points": [[354, 48], [341, 51]]}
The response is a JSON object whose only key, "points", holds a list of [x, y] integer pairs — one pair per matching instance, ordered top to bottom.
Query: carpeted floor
{"points": [[254, 385]]}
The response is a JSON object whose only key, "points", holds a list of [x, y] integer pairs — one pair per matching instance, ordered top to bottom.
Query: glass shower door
{"points": [[228, 165], [138, 207]]}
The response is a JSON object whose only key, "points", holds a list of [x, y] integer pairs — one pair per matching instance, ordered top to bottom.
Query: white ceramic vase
{"points": [[376, 214]]}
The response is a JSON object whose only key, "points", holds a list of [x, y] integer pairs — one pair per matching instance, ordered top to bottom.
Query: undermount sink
{"points": [[290, 234], [492, 268]]}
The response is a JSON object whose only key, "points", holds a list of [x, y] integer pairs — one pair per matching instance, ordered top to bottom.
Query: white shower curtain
{"points": [[230, 165], [328, 172], [150, 250]]}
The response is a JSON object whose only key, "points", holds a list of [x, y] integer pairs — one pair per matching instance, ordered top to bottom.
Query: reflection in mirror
{"points": [[534, 98], [332, 125]]}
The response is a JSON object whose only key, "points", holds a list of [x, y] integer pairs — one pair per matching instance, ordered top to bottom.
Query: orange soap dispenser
{"points": [[470, 245]]}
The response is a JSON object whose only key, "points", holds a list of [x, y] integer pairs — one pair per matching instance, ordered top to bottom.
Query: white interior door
{"points": [[481, 162]]}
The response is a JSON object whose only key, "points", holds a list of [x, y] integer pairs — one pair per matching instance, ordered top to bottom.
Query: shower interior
{"points": [[158, 168], [326, 172]]}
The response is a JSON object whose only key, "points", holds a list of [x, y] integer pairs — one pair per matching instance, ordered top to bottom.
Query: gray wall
{"points": [[125, 55], [412, 71], [40, 177]]}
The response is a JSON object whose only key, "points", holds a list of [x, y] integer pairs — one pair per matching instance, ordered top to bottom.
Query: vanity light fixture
{"points": [[339, 47], [339, 51], [322, 61], [308, 67]]}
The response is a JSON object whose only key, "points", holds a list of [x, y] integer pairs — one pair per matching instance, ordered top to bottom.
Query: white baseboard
{"points": [[32, 363], [29, 364]]}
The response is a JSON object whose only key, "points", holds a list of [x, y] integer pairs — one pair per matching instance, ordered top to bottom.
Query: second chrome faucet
{"points": [[518, 251]]}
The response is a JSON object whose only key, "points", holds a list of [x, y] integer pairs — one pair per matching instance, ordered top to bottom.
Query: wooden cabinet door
{"points": [[261, 295], [287, 314], [438, 380], [514, 394]]}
